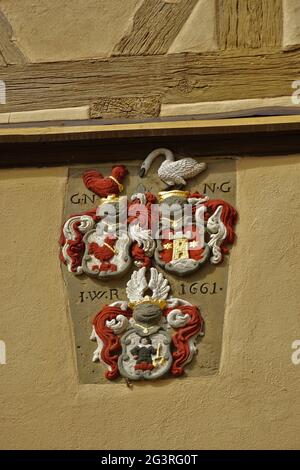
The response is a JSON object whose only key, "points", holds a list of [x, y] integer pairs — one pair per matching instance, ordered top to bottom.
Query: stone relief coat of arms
{"points": [[175, 232]]}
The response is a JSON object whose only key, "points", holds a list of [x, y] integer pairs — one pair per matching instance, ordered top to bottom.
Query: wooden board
{"points": [[250, 23], [156, 24], [176, 78], [142, 129], [61, 145]]}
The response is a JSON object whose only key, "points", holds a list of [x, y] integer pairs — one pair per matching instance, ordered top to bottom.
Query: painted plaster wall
{"points": [[254, 400]]}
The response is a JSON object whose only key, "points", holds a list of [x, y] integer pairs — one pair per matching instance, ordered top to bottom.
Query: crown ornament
{"points": [[163, 195], [109, 199], [161, 303]]}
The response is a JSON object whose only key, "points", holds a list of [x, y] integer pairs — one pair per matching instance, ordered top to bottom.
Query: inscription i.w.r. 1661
{"points": [[194, 288], [204, 288], [94, 295]]}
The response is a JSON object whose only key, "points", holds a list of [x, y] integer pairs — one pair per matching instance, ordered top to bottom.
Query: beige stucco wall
{"points": [[254, 400]]}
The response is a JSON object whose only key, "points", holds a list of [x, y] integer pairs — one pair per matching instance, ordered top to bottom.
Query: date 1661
{"points": [[206, 288]]}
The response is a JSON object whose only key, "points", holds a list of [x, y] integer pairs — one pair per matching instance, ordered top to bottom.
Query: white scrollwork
{"points": [[140, 196], [198, 200], [86, 224], [218, 233], [143, 238], [174, 302], [121, 304], [176, 318], [118, 325], [192, 347], [97, 352]]}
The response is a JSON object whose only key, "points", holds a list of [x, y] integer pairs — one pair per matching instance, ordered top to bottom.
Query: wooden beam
{"points": [[250, 23], [155, 26], [177, 78], [57, 132], [87, 144]]}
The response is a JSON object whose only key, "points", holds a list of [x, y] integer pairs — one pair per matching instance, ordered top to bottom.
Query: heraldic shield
{"points": [[96, 247], [147, 336]]}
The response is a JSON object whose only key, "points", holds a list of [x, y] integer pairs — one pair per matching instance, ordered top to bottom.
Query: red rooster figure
{"points": [[102, 186], [104, 253]]}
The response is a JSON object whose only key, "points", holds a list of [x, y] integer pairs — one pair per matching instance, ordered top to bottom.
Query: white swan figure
{"points": [[170, 171]]}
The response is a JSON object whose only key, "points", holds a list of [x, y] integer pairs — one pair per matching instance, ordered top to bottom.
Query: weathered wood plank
{"points": [[249, 23], [155, 26], [9, 51], [178, 78], [125, 107], [231, 108], [164, 128]]}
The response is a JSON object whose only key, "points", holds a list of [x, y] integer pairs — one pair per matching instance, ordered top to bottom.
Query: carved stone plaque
{"points": [[124, 278]]}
